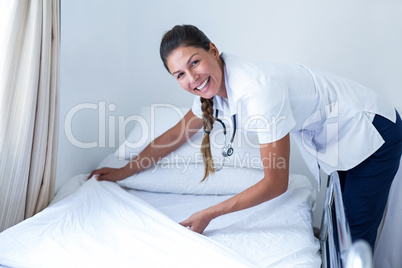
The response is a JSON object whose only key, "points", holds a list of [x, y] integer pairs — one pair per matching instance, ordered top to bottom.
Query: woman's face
{"points": [[198, 71]]}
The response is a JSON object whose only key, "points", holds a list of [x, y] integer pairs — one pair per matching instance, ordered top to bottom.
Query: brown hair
{"points": [[182, 35], [188, 35], [207, 107]]}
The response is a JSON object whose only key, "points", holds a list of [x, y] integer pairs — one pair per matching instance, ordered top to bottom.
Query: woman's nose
{"points": [[194, 78]]}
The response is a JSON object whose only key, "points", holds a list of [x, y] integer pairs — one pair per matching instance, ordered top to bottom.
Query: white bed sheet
{"points": [[103, 225], [265, 235]]}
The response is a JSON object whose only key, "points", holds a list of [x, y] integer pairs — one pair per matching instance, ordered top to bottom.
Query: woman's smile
{"points": [[198, 71], [203, 86]]}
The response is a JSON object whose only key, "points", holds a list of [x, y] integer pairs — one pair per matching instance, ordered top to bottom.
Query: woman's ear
{"points": [[214, 50]]}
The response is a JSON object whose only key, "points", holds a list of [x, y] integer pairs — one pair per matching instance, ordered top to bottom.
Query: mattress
{"points": [[104, 224]]}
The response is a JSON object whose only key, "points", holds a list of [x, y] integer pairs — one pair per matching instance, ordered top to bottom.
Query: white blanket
{"points": [[101, 225], [277, 233]]}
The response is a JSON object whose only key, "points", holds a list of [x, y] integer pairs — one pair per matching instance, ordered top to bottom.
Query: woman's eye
{"points": [[195, 62], [179, 75]]}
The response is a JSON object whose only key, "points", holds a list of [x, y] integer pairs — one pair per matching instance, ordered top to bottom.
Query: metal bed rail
{"points": [[337, 249]]}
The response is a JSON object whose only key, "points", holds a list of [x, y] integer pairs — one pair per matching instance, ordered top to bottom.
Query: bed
{"points": [[134, 223], [101, 224], [337, 249]]}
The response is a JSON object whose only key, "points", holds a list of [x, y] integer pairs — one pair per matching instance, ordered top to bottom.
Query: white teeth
{"points": [[203, 84]]}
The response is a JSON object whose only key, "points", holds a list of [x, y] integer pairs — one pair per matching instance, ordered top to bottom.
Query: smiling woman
{"points": [[189, 55], [286, 99], [338, 125]]}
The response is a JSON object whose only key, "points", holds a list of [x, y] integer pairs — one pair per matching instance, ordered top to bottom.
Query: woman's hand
{"points": [[108, 174], [274, 183], [197, 222]]}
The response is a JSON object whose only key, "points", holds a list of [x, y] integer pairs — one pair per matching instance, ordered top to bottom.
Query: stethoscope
{"points": [[227, 149]]}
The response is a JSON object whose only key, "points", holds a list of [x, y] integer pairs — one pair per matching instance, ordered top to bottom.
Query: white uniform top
{"points": [[329, 117]]}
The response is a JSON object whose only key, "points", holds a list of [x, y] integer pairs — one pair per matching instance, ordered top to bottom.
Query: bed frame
{"points": [[337, 249]]}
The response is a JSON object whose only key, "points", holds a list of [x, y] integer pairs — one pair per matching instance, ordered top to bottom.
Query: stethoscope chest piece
{"points": [[227, 149]]}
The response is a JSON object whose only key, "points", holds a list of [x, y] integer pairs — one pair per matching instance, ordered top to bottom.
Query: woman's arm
{"points": [[163, 145], [274, 183]]}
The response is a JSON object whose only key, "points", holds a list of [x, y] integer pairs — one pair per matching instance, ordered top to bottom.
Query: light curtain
{"points": [[29, 103]]}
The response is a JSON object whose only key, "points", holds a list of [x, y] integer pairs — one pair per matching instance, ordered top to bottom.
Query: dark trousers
{"points": [[366, 187]]}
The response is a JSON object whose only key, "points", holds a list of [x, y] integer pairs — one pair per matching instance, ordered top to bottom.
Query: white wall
{"points": [[110, 55]]}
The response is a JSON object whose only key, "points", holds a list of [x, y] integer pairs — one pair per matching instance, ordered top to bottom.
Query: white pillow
{"points": [[156, 119], [186, 179], [227, 181]]}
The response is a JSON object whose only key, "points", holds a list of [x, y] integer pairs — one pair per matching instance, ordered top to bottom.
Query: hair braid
{"points": [[208, 118]]}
